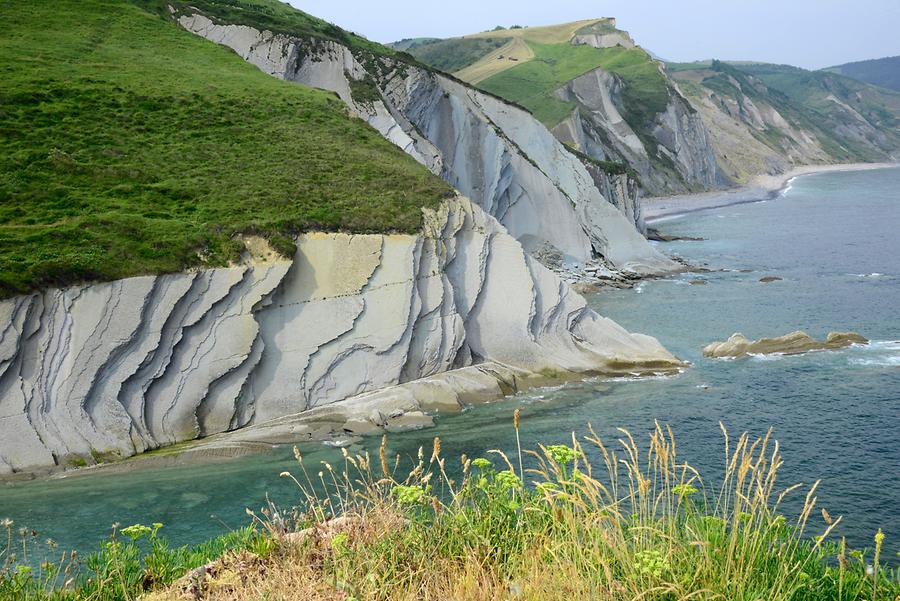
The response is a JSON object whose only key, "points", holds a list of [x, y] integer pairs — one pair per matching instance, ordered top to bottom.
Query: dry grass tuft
{"points": [[585, 520], [619, 521]]}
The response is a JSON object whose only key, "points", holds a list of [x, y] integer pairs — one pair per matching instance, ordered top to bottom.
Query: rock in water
{"points": [[842, 339], [794, 343]]}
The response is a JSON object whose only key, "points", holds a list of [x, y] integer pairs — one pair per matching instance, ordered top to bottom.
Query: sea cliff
{"points": [[95, 372]]}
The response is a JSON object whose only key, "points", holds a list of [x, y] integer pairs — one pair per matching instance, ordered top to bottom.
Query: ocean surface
{"points": [[834, 239]]}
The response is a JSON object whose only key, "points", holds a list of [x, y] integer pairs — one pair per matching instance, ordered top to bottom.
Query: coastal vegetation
{"points": [[457, 53], [883, 72], [532, 84], [815, 101], [130, 146], [581, 520]]}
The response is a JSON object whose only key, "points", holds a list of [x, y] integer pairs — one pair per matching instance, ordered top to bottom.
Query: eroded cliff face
{"points": [[757, 129], [743, 134], [491, 151], [674, 153], [623, 190], [111, 370]]}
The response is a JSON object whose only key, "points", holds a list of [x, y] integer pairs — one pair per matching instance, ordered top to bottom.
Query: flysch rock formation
{"points": [[735, 127], [681, 141], [491, 151], [794, 343], [114, 369]]}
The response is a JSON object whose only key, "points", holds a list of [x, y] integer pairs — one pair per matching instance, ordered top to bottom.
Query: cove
{"points": [[831, 237]]}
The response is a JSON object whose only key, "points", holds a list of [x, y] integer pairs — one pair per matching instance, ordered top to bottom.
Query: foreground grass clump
{"points": [[130, 146], [584, 521], [594, 522], [133, 560]]}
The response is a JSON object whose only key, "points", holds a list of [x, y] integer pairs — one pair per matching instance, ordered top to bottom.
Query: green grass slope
{"points": [[272, 15], [455, 54], [884, 72], [532, 84], [129, 146]]}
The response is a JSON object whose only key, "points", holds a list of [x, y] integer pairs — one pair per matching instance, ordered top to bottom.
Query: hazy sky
{"points": [[807, 33]]}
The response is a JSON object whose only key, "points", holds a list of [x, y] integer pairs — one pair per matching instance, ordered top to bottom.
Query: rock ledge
{"points": [[794, 343]]}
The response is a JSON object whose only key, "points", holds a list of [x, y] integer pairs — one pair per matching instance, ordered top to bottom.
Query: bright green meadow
{"points": [[129, 146]]}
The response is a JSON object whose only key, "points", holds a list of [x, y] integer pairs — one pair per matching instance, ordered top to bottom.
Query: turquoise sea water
{"points": [[834, 238]]}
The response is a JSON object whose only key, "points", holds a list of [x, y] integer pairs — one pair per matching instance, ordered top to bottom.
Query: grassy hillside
{"points": [[273, 15], [455, 54], [474, 58], [528, 65], [884, 72], [532, 84], [801, 85], [823, 99], [844, 115], [128, 146]]}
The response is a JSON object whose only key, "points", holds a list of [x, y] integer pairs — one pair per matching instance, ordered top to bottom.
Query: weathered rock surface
{"points": [[758, 130], [491, 151], [681, 157], [622, 191], [790, 344], [114, 369]]}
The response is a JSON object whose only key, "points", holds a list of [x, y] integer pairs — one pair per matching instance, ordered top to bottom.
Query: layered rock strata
{"points": [[491, 151], [673, 155], [794, 343], [110, 370]]}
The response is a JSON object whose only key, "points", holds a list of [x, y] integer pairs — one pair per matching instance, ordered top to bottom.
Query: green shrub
{"points": [[595, 521], [133, 560]]}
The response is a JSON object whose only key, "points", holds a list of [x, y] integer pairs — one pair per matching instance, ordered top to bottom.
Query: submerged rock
{"points": [[658, 236], [771, 278], [794, 343]]}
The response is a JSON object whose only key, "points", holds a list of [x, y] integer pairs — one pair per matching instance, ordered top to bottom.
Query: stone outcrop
{"points": [[603, 34], [491, 151], [680, 157], [623, 191], [794, 343], [110, 370]]}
